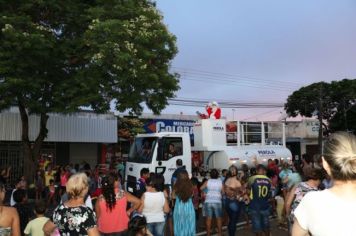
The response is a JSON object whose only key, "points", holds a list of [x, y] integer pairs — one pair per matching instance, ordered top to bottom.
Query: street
{"points": [[242, 230]]}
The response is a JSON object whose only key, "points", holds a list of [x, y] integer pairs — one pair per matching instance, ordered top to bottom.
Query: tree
{"points": [[58, 56], [344, 95], [312, 100], [333, 103], [344, 121], [128, 127]]}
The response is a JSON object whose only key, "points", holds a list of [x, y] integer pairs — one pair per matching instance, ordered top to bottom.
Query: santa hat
{"points": [[214, 104]]}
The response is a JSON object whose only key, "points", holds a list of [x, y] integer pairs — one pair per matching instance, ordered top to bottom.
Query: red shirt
{"points": [[115, 220]]}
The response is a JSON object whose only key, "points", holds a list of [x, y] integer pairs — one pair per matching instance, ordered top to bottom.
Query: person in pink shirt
{"points": [[64, 176], [110, 208]]}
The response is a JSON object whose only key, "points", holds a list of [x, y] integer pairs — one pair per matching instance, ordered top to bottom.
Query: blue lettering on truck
{"points": [[156, 126], [266, 152]]}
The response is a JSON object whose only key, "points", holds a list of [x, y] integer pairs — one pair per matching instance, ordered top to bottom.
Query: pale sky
{"points": [[258, 51]]}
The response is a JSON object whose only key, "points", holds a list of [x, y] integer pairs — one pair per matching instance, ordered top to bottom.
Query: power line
{"points": [[236, 76], [237, 80], [217, 81], [244, 83], [224, 100], [205, 101], [202, 103], [222, 106], [260, 114]]}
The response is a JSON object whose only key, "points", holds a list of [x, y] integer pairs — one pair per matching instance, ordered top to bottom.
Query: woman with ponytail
{"points": [[332, 211], [113, 218]]}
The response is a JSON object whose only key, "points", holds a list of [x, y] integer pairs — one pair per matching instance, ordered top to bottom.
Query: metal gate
{"points": [[11, 155]]}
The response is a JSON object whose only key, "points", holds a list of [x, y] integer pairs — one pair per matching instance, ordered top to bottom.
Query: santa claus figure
{"points": [[208, 109], [214, 111]]}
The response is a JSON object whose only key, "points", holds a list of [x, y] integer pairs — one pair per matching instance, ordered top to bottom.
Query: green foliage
{"points": [[56, 56], [344, 95], [311, 100], [332, 102], [344, 121], [129, 127]]}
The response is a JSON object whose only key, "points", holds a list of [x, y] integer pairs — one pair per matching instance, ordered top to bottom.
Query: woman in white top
{"points": [[213, 201], [155, 205], [331, 211]]}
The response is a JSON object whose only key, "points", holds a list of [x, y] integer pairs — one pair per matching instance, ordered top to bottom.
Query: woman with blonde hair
{"points": [[331, 211], [73, 217]]}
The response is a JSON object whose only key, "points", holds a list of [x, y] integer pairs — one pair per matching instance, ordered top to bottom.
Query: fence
{"points": [[11, 154]]}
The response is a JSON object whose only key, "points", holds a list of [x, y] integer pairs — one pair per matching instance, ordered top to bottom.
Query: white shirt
{"points": [[214, 191], [12, 201], [88, 202], [153, 207], [323, 213]]}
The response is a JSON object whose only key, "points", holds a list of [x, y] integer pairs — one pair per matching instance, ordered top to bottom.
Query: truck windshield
{"points": [[142, 149]]}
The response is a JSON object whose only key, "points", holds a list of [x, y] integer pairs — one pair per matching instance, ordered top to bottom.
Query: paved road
{"points": [[242, 231]]}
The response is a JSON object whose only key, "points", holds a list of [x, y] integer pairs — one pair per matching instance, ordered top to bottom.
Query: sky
{"points": [[258, 51]]}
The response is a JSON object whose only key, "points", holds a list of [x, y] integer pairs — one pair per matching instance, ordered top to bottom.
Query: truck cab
{"points": [[158, 152]]}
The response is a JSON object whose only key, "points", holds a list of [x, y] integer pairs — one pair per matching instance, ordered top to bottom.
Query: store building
{"points": [[301, 136], [72, 138]]}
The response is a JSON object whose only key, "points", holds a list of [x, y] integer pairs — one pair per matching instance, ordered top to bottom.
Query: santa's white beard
{"points": [[213, 110]]}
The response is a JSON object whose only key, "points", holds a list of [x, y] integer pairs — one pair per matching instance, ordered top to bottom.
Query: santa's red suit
{"points": [[209, 110], [215, 112]]}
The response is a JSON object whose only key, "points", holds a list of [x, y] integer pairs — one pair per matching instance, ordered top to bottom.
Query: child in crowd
{"points": [[49, 174], [141, 182], [39, 183], [18, 185], [51, 193], [203, 196], [196, 197], [23, 209], [280, 210], [169, 217], [34, 227], [138, 227]]}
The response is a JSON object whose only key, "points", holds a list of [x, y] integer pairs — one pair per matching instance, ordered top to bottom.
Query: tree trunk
{"points": [[41, 135], [31, 151], [29, 163]]}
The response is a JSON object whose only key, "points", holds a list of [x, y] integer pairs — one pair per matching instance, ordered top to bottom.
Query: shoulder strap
{"points": [[120, 194]]}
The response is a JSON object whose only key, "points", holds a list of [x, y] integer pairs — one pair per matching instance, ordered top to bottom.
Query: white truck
{"points": [[159, 151]]}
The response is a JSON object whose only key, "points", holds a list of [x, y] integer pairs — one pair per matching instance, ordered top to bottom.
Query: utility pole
{"points": [[320, 118]]}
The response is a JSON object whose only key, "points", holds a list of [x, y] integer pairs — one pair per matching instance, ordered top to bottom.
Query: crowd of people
{"points": [[306, 197]]}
